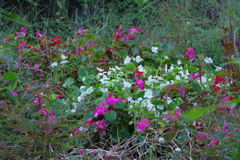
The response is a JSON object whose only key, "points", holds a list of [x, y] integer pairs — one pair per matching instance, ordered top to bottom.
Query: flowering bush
{"points": [[60, 96]]}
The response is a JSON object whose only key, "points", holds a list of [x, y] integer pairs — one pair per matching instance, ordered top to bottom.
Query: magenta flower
{"points": [[132, 30], [80, 31], [131, 36], [125, 37], [6, 39], [22, 44], [190, 53], [36, 66], [192, 75], [140, 83], [14, 93], [111, 100], [100, 110], [43, 111], [177, 113], [51, 115], [89, 122], [100, 124], [142, 124], [224, 127], [202, 136], [213, 142], [80, 151]]}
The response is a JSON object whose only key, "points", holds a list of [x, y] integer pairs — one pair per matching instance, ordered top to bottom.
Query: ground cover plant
{"points": [[119, 97]]}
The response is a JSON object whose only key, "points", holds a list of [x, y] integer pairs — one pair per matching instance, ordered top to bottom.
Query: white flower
{"points": [[155, 49], [64, 57], [166, 57], [138, 59], [127, 60], [208, 60], [64, 61], [179, 62], [54, 64], [118, 68], [140, 68], [218, 68], [100, 69], [178, 77], [104, 79], [204, 79], [126, 84], [89, 90], [104, 90], [148, 94], [80, 98], [130, 100], [139, 100], [150, 106], [160, 107], [73, 110], [82, 129], [161, 140], [178, 150]]}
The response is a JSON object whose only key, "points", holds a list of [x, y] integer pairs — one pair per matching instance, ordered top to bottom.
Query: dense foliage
{"points": [[120, 95]]}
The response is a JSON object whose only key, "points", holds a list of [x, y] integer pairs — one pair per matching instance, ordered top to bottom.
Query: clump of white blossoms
{"points": [[155, 49], [64, 59], [138, 59], [127, 60], [208, 60], [54, 64], [126, 84], [84, 92]]}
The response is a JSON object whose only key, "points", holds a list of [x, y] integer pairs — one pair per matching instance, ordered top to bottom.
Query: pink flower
{"points": [[132, 30], [80, 31], [38, 34], [131, 36], [125, 37], [6, 39], [90, 43], [22, 44], [190, 53], [36, 66], [192, 75], [140, 83], [14, 93], [58, 97], [111, 100], [100, 110], [43, 111], [177, 113], [51, 115], [89, 122], [100, 124], [142, 124], [224, 127], [238, 127], [75, 131], [201, 136], [213, 142], [80, 151]]}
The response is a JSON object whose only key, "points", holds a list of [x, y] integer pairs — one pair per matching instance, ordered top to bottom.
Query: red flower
{"points": [[218, 79], [215, 88]]}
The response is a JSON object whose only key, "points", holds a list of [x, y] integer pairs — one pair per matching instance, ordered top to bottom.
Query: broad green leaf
{"points": [[139, 2], [89, 37], [130, 67], [192, 69], [82, 72], [10, 75], [69, 81], [197, 88], [119, 105], [199, 111], [111, 116]]}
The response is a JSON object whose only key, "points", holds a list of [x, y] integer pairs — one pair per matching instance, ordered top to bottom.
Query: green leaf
{"points": [[139, 2], [89, 37], [237, 61], [130, 67], [192, 69], [82, 72], [10, 75], [69, 81], [12, 86], [197, 88], [119, 105], [199, 111], [110, 116]]}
